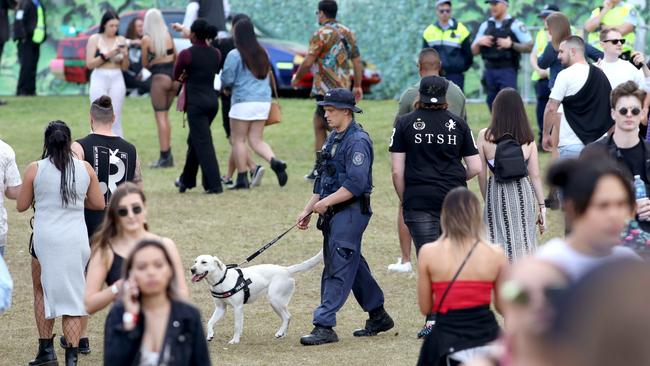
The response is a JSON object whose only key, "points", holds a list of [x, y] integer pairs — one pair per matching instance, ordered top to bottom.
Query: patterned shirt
{"points": [[334, 46], [9, 177]]}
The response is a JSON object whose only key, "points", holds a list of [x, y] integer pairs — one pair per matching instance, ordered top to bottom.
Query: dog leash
{"points": [[270, 244]]}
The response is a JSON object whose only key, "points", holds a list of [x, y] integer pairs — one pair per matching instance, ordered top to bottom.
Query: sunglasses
{"points": [[444, 11], [615, 41], [635, 111], [124, 212], [517, 294]]}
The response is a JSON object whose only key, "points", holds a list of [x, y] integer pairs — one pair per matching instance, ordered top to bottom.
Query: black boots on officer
{"points": [[378, 321]]}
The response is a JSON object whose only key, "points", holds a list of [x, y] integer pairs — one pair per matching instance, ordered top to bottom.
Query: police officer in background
{"points": [[613, 14], [29, 33], [501, 40], [452, 41], [540, 76], [342, 200]]}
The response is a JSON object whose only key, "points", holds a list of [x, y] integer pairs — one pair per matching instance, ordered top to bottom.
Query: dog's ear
{"points": [[218, 262]]}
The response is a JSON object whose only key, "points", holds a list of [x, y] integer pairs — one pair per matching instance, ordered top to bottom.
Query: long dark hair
{"points": [[108, 15], [559, 27], [130, 29], [252, 53], [509, 118], [56, 147], [108, 229], [172, 292]]}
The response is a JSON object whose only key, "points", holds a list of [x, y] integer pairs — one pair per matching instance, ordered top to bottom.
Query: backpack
{"points": [[509, 162]]}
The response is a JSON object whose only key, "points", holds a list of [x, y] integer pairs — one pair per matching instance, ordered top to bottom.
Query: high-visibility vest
{"points": [[614, 17], [39, 31], [451, 37], [541, 40]]}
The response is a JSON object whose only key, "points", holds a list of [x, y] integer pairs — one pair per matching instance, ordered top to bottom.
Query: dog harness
{"points": [[241, 284]]}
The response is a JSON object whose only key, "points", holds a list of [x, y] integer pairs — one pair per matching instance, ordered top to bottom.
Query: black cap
{"points": [[496, 1], [440, 2], [548, 10], [433, 89], [340, 98]]}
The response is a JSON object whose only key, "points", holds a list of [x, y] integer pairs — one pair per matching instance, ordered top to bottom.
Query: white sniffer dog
{"points": [[237, 286]]}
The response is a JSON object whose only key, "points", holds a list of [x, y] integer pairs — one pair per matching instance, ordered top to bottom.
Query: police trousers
{"points": [[498, 79], [345, 268]]}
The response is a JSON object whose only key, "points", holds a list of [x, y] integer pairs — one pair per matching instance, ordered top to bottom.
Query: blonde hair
{"points": [[156, 29], [462, 218]]}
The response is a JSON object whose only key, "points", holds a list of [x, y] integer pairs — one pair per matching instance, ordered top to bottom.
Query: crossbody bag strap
{"points": [[273, 85], [462, 265]]}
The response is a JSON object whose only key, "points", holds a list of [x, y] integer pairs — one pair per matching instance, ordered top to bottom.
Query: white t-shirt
{"points": [[620, 71], [569, 82], [9, 177], [576, 264]]}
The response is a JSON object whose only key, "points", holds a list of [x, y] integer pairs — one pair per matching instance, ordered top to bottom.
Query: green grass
{"points": [[231, 226]]}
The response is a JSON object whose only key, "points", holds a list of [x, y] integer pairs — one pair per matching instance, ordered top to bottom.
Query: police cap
{"points": [[548, 10], [340, 98]]}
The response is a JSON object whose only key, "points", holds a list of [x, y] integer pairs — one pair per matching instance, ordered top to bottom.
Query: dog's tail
{"points": [[306, 265]]}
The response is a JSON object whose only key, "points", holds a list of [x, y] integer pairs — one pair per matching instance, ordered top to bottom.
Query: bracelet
{"points": [[103, 57], [114, 289]]}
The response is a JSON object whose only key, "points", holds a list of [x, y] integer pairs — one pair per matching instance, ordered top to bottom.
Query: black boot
{"points": [[166, 160], [280, 169], [313, 174], [242, 181], [379, 321], [319, 335], [84, 344], [46, 355], [71, 356]]}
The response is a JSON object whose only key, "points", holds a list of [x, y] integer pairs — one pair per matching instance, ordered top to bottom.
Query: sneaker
{"points": [[312, 175], [256, 176], [227, 181], [400, 267], [378, 323], [319, 335], [84, 344]]}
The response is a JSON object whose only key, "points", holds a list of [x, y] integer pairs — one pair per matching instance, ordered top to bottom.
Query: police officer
{"points": [[613, 14], [451, 39], [501, 40], [540, 76], [342, 200]]}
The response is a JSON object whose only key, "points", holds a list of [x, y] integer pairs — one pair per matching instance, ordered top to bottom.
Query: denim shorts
{"points": [[570, 151], [424, 226]]}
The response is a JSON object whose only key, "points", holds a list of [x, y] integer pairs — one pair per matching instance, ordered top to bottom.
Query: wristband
{"points": [[103, 57]]}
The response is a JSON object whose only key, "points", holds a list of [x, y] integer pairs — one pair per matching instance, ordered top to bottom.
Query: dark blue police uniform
{"points": [[346, 162]]}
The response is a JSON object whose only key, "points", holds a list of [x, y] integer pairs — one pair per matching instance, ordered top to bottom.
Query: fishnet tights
{"points": [[71, 324]]}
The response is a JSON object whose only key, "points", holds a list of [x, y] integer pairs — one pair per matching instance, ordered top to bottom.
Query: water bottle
{"points": [[639, 188]]}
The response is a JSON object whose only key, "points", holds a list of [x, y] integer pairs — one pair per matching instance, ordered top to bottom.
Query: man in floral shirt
{"points": [[331, 50]]}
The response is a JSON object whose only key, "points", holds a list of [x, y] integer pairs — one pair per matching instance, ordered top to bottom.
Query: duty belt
{"points": [[241, 284]]}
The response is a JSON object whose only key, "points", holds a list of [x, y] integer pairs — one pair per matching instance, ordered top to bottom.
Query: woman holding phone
{"points": [[107, 57], [150, 325]]}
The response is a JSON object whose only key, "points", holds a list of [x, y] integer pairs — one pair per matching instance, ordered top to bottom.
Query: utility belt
{"points": [[364, 206]]}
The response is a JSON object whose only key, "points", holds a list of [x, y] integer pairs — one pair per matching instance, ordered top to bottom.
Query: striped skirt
{"points": [[511, 215]]}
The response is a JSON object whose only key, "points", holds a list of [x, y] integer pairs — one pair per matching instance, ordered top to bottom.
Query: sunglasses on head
{"points": [[444, 11], [615, 41], [635, 111], [124, 211], [517, 294]]}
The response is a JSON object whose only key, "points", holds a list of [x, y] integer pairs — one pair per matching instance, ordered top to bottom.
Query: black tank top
{"points": [[200, 77], [113, 160], [115, 272]]}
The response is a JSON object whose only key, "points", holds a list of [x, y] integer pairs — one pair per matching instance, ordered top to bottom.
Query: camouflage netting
{"points": [[388, 32]]}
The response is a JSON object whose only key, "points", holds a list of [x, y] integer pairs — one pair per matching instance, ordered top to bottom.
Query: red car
{"points": [[286, 56]]}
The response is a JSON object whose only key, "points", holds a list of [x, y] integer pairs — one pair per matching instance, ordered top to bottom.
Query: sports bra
{"points": [[115, 272], [462, 295]]}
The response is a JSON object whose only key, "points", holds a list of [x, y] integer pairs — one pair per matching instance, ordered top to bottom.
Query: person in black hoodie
{"points": [[29, 33], [150, 312]]}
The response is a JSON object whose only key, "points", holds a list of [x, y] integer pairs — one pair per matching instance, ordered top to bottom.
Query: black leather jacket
{"points": [[184, 337]]}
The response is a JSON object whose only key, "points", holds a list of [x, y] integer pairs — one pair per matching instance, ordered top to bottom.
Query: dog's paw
{"points": [[279, 334], [234, 341]]}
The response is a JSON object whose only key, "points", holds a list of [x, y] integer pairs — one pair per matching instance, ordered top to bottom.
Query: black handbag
{"points": [[431, 318]]}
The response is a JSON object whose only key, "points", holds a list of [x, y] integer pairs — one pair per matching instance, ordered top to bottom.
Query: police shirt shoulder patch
{"points": [[522, 28], [358, 158]]}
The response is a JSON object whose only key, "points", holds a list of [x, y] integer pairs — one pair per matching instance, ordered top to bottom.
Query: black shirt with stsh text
{"points": [[435, 142]]}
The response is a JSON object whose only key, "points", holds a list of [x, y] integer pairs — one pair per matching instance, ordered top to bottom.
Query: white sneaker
{"points": [[400, 267]]}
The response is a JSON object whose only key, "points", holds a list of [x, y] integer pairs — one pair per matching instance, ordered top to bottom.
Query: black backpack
{"points": [[509, 162]]}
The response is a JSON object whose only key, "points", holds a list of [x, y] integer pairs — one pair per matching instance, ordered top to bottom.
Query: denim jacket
{"points": [[245, 86]]}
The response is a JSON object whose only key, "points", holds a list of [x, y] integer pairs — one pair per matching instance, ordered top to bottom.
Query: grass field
{"points": [[231, 226]]}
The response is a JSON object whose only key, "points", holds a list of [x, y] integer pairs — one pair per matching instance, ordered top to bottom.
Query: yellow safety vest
{"points": [[614, 17], [39, 31], [449, 37], [541, 40]]}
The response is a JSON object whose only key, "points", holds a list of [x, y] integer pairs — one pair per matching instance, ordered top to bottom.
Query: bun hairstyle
{"points": [[203, 30], [101, 109], [56, 147], [578, 178]]}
